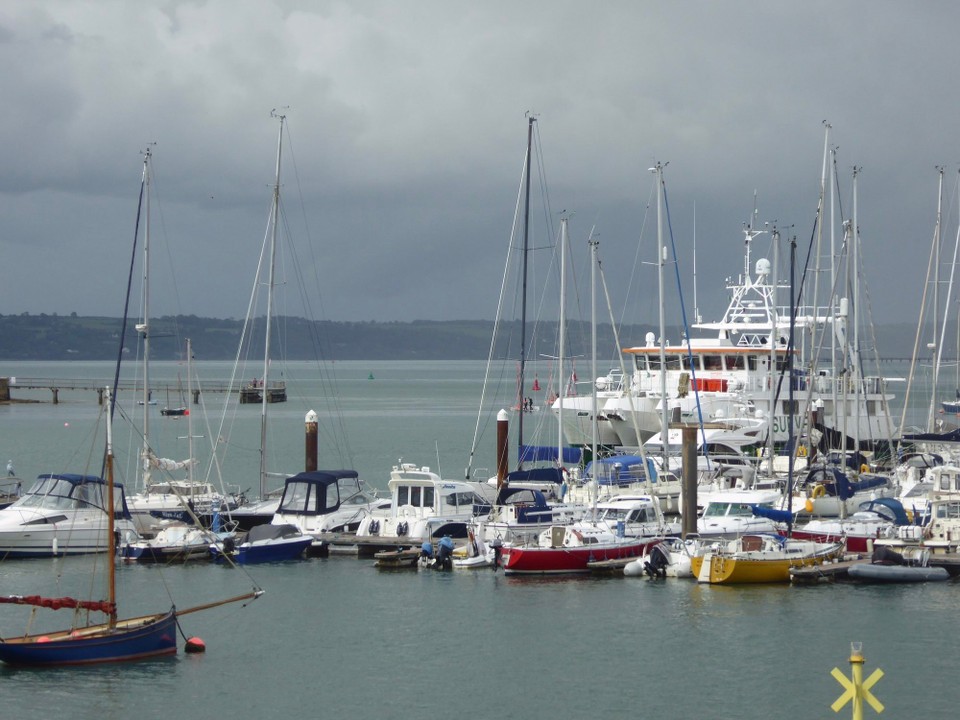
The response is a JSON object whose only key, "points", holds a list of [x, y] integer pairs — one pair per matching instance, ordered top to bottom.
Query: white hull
{"points": [[578, 414], [82, 534]]}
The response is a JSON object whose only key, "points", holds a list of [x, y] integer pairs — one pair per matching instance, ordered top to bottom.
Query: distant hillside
{"points": [[73, 337]]}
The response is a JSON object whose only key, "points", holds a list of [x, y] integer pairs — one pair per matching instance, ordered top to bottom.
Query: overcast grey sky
{"points": [[407, 128]]}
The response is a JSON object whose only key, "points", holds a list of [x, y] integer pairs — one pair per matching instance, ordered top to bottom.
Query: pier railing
{"points": [[97, 385]]}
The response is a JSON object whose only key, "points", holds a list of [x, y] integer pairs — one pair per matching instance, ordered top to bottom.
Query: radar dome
{"points": [[763, 266]]}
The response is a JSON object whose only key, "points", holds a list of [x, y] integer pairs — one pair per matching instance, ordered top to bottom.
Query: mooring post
{"points": [[56, 395], [100, 396], [196, 396], [311, 439], [503, 447], [689, 495]]}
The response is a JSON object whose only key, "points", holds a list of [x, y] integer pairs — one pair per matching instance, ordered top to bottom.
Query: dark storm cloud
{"points": [[407, 129]]}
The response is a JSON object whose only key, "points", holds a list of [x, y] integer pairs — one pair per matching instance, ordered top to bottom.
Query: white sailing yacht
{"points": [[168, 498]]}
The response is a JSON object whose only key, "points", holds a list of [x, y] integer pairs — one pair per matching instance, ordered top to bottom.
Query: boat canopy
{"points": [[951, 436], [542, 453], [921, 459], [621, 470], [537, 475], [837, 483], [70, 491], [318, 492], [516, 496], [887, 508], [271, 532]]}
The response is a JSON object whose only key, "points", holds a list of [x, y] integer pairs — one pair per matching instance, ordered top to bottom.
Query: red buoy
{"points": [[195, 645]]}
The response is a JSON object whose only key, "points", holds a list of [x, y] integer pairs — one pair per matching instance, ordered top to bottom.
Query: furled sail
{"points": [[166, 464], [61, 602]]}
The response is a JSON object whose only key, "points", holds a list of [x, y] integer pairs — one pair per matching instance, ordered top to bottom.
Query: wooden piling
{"points": [[311, 423], [503, 436]]}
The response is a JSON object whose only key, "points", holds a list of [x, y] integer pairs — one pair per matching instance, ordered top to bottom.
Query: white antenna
{"points": [[696, 308]]}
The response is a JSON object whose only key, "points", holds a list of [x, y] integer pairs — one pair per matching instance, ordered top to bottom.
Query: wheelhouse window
{"points": [[713, 362], [734, 362], [461, 500], [949, 511]]}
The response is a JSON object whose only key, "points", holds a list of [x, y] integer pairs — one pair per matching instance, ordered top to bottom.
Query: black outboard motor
{"points": [[497, 546], [882, 555], [444, 560], [656, 566]]}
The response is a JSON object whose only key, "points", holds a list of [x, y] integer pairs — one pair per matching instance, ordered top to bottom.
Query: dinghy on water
{"points": [[889, 566]]}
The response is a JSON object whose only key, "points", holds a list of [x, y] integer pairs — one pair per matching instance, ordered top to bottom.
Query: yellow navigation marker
{"points": [[856, 689]]}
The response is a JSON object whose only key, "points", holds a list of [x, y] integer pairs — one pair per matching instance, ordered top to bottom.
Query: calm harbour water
{"points": [[338, 638]]}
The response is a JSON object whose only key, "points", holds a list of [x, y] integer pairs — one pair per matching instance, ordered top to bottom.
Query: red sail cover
{"points": [[58, 603]]}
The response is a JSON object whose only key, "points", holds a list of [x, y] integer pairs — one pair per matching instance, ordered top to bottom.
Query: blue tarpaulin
{"points": [[543, 453], [783, 516]]}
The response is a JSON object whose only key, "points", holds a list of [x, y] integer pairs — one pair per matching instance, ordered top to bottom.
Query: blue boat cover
{"points": [[950, 436], [542, 453], [537, 475], [837, 482], [888, 508], [783, 516]]}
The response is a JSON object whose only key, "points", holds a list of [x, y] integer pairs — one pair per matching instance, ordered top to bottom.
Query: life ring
{"points": [[864, 468], [818, 491]]}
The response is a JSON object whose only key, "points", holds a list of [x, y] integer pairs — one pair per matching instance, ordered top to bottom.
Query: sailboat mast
{"points": [[661, 260], [523, 299], [856, 312], [267, 325], [144, 327], [563, 335], [774, 340], [593, 343], [936, 346], [189, 400], [790, 432], [109, 508]]}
